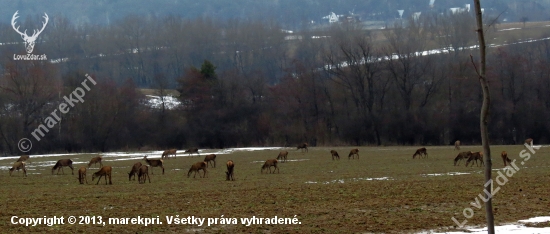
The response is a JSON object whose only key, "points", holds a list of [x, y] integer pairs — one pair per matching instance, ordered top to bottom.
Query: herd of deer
{"points": [[142, 171]]}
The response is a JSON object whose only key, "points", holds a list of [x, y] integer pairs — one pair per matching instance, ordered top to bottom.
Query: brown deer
{"points": [[457, 145], [302, 146], [192, 151], [169, 152], [420, 152], [334, 154], [352, 154], [282, 156], [462, 156], [476, 156], [23, 158], [505, 158], [209, 159], [95, 161], [63, 163], [155, 163], [270, 163], [19, 166], [196, 168], [104, 171], [134, 171], [229, 172], [143, 174], [82, 175]]}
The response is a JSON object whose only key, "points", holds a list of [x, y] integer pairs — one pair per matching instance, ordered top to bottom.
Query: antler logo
{"points": [[29, 40]]}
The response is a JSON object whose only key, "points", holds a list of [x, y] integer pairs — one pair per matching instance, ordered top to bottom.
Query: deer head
{"points": [[29, 40]]}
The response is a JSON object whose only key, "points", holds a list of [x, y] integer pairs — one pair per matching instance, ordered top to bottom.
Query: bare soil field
{"points": [[384, 191]]}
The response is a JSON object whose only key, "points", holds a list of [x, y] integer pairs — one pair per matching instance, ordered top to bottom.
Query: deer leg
{"points": [[72, 169], [163, 170]]}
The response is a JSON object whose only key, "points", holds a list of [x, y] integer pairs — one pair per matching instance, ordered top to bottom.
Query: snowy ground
{"points": [[508, 228]]}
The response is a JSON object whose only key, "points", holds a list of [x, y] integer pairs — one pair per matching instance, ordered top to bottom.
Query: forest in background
{"points": [[290, 14], [246, 83]]}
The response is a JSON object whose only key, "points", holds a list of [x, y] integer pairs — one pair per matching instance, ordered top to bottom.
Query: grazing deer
{"points": [[529, 141], [457, 145], [302, 146], [192, 151], [169, 152], [420, 152], [352, 153], [334, 154], [282, 156], [462, 156], [475, 157], [23, 158], [505, 158], [209, 159], [95, 161], [63, 163], [155, 163], [270, 163], [19, 166], [196, 168], [104, 171], [134, 171], [229, 172], [143, 174], [82, 175]]}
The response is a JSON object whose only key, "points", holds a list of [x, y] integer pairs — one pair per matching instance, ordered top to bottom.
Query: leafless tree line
{"points": [[243, 84]]}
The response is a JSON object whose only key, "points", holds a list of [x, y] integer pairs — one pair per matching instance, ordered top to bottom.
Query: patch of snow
{"points": [[448, 173]]}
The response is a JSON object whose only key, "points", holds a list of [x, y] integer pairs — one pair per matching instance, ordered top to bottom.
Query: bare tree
{"points": [[484, 118]]}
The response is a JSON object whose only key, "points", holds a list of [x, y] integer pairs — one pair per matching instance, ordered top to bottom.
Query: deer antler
{"points": [[13, 18], [43, 25], [35, 32]]}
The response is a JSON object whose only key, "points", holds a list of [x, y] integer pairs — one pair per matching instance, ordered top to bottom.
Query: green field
{"points": [[384, 191]]}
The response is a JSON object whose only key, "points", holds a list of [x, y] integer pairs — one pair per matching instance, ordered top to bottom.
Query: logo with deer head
{"points": [[29, 40]]}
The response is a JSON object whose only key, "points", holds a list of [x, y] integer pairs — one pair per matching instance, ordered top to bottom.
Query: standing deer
{"points": [[29, 40], [457, 145], [302, 146], [192, 151], [169, 152], [420, 152], [334, 154], [352, 154], [282, 156], [462, 156], [477, 156], [23, 158], [505, 158], [209, 159], [95, 161], [63, 163], [155, 163], [270, 163], [19, 166], [196, 168], [104, 171], [134, 171], [229, 172], [143, 174], [82, 175]]}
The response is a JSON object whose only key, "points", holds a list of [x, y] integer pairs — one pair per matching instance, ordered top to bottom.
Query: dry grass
{"points": [[341, 200]]}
